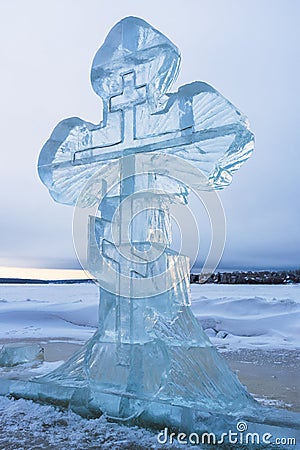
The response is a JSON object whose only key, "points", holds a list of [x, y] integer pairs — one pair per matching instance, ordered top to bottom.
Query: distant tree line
{"points": [[250, 277]]}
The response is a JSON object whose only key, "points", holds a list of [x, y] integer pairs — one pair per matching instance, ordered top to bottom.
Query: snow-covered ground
{"points": [[48, 311], [234, 316], [249, 317], [25, 425]]}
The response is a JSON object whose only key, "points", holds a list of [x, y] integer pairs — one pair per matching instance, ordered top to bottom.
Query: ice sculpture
{"points": [[149, 362]]}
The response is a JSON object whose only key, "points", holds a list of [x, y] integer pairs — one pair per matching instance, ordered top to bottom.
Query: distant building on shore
{"points": [[250, 277]]}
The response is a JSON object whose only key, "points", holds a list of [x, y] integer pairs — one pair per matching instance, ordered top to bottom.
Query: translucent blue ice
{"points": [[132, 73], [19, 353], [150, 362]]}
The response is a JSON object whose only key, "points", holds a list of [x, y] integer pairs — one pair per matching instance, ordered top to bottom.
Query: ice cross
{"points": [[132, 73], [131, 94], [149, 354]]}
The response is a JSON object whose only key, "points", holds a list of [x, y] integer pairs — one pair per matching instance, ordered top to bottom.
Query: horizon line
{"points": [[31, 273]]}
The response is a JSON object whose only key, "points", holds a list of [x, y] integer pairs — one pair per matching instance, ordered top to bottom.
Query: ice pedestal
{"points": [[19, 353]]}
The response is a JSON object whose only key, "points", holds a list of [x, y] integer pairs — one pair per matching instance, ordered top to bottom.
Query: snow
{"points": [[67, 311], [234, 316], [249, 316], [28, 425]]}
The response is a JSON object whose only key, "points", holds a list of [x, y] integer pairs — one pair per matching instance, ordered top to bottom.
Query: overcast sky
{"points": [[248, 50]]}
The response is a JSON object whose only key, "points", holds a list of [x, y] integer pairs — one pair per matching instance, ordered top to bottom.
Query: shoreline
{"points": [[250, 277]]}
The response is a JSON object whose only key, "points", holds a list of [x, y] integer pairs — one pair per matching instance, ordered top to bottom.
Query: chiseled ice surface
{"points": [[132, 72]]}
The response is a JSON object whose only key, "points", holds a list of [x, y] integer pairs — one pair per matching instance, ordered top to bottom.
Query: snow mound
{"points": [[243, 316]]}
